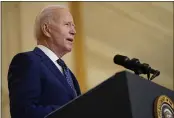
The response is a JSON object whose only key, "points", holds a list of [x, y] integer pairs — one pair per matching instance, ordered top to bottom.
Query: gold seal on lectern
{"points": [[164, 107]]}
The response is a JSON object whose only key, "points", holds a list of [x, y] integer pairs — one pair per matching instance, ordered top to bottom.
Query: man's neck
{"points": [[51, 47]]}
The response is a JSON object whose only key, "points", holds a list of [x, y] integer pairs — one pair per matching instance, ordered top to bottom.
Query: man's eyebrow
{"points": [[69, 22]]}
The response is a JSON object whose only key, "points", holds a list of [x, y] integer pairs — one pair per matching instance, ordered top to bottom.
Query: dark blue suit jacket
{"points": [[36, 86]]}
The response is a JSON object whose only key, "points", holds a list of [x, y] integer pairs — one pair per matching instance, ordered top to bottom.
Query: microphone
{"points": [[121, 60], [135, 65]]}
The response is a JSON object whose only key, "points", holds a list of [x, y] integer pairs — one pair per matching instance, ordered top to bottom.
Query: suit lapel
{"points": [[48, 62]]}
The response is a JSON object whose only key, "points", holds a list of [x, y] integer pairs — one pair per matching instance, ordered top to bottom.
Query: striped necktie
{"points": [[67, 74]]}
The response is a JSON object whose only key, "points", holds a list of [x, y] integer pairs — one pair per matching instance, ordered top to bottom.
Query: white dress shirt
{"points": [[51, 55]]}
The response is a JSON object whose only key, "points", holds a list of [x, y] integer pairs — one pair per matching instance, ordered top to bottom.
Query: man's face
{"points": [[62, 31]]}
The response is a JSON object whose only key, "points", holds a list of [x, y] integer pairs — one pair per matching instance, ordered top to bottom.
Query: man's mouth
{"points": [[69, 39]]}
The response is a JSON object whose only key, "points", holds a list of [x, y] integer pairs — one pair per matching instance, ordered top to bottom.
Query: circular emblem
{"points": [[164, 107]]}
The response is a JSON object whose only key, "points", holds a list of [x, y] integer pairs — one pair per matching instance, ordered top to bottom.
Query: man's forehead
{"points": [[55, 10], [60, 11], [59, 14], [63, 14]]}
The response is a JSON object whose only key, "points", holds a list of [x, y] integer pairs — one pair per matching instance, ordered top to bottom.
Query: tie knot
{"points": [[61, 62]]}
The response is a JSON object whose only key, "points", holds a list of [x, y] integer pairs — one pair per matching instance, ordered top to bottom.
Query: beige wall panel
{"points": [[135, 29], [10, 45], [0, 54], [101, 66]]}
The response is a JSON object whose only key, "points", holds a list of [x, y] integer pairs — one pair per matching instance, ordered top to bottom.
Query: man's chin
{"points": [[69, 49]]}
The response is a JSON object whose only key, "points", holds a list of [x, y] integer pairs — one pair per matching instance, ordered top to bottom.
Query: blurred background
{"points": [[142, 30]]}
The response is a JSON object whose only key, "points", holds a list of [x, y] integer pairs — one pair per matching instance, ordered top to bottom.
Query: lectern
{"points": [[123, 95]]}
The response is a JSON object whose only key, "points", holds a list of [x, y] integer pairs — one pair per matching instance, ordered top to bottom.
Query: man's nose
{"points": [[73, 31]]}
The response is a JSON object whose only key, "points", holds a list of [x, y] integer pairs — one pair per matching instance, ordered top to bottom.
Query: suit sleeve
{"points": [[25, 88]]}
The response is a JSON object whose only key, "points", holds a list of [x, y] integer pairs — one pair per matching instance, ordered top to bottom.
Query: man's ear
{"points": [[45, 30]]}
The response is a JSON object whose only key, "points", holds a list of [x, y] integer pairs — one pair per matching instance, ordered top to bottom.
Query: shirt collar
{"points": [[49, 53]]}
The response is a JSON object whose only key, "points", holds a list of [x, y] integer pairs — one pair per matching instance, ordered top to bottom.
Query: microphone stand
{"points": [[135, 65], [143, 69]]}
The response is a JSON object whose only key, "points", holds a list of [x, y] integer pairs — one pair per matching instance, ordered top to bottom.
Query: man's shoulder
{"points": [[27, 56], [24, 62]]}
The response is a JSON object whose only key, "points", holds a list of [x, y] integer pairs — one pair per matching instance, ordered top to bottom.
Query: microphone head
{"points": [[120, 59]]}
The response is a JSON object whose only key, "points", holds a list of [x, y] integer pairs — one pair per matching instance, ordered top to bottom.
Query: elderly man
{"points": [[39, 81]]}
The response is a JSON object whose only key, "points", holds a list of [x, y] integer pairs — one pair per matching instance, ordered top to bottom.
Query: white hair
{"points": [[45, 15]]}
